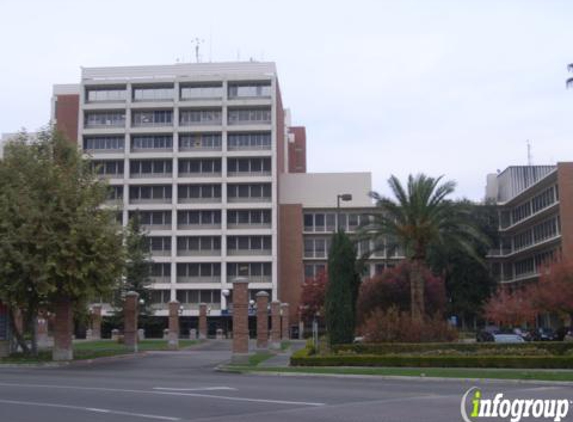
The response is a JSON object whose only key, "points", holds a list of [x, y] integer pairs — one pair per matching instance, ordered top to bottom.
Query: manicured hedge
{"points": [[553, 348], [547, 362]]}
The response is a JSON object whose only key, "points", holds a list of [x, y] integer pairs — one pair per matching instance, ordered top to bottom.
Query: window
{"points": [[250, 90], [198, 92], [153, 94], [106, 95], [249, 116], [200, 117], [153, 118], [105, 119], [198, 141], [249, 141], [151, 142], [103, 143], [201, 166], [242, 166], [108, 167], [151, 168], [259, 192], [115, 193], [199, 193], [150, 194], [249, 217], [153, 218], [199, 218], [249, 244], [158, 245], [197, 245], [316, 247], [313, 270], [160, 271], [258, 271], [198, 272], [160, 297]]}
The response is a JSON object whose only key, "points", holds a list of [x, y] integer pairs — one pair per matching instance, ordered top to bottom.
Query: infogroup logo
{"points": [[513, 410]]}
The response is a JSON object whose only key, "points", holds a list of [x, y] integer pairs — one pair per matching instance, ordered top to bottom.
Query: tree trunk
{"points": [[417, 291], [16, 331]]}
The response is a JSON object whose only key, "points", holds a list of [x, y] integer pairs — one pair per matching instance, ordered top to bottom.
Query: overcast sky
{"points": [[392, 87]]}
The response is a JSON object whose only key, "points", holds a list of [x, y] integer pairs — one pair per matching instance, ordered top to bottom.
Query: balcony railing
{"points": [[199, 252], [249, 252], [199, 279]]}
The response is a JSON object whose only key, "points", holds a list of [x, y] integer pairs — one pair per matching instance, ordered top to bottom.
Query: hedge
{"points": [[553, 348], [547, 362]]}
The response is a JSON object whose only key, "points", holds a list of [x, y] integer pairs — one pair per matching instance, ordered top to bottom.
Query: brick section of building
{"points": [[67, 110], [297, 150], [565, 181], [291, 268], [130, 310], [241, 316], [262, 320], [63, 329]]}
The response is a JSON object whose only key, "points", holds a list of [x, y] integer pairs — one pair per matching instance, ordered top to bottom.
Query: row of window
{"points": [[187, 92], [186, 117], [187, 142], [188, 167], [536, 204], [200, 217], [326, 221], [542, 231], [192, 244], [319, 248], [213, 269]]}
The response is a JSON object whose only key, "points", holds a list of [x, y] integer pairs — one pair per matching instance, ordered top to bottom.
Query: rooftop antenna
{"points": [[197, 43], [529, 159]]}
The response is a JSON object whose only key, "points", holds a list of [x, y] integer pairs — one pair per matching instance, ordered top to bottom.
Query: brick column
{"points": [[130, 320], [240, 320], [262, 320], [202, 321], [285, 321], [96, 322], [275, 325], [63, 329], [42, 331], [173, 337]]}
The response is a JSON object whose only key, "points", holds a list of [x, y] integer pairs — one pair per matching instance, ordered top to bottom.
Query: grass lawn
{"points": [[95, 349], [259, 357], [510, 374]]}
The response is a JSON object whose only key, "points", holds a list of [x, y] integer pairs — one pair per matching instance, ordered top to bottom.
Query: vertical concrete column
{"points": [[130, 312], [240, 320], [262, 320], [202, 321], [285, 321], [96, 322], [275, 324], [63, 328], [173, 337]]}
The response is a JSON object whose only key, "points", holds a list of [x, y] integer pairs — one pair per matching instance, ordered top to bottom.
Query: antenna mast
{"points": [[197, 43], [529, 159]]}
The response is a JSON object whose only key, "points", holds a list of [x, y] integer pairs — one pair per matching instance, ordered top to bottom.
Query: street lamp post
{"points": [[345, 197]]}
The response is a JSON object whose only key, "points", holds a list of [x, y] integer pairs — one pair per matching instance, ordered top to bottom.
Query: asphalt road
{"points": [[183, 386]]}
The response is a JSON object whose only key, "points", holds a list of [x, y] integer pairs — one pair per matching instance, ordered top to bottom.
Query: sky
{"points": [[454, 88]]}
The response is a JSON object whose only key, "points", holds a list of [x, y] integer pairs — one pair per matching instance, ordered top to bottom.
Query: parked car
{"points": [[487, 333], [544, 334], [508, 338]]}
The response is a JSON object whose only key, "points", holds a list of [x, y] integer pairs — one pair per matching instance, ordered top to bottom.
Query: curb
{"points": [[79, 362], [407, 378]]}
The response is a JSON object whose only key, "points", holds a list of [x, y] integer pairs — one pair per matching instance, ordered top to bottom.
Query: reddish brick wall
{"points": [[67, 112], [297, 150], [565, 181], [291, 269]]}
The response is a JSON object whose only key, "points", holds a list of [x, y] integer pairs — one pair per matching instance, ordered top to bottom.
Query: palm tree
{"points": [[418, 218]]}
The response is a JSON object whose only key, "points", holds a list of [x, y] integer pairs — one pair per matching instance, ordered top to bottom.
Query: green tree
{"points": [[418, 219], [59, 247], [137, 270], [341, 290]]}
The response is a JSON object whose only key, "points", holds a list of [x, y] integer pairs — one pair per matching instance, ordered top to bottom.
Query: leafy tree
{"points": [[419, 218], [58, 245], [137, 270], [342, 290], [554, 291], [312, 296], [511, 308]]}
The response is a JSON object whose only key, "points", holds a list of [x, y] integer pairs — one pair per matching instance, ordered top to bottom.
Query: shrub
{"points": [[394, 325]]}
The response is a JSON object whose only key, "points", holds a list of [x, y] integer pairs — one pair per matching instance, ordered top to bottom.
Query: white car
{"points": [[508, 338]]}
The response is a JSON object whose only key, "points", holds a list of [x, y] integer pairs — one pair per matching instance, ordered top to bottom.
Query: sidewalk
{"points": [[282, 359]]}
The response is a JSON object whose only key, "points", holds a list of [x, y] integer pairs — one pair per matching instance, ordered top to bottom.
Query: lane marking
{"points": [[194, 389], [167, 393], [90, 409]]}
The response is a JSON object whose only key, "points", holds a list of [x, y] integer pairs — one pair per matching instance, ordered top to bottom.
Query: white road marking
{"points": [[194, 389], [167, 393], [90, 409]]}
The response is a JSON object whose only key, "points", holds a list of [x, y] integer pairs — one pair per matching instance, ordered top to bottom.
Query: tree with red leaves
{"points": [[554, 292], [312, 296], [512, 308]]}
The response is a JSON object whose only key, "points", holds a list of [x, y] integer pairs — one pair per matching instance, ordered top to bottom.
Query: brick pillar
{"points": [[130, 320], [240, 320], [262, 320], [202, 321], [285, 321], [96, 322], [275, 325], [63, 329], [42, 331], [173, 337]]}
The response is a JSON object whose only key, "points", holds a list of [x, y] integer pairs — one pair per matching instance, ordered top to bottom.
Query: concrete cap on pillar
{"points": [[241, 280], [132, 293], [262, 294], [174, 301]]}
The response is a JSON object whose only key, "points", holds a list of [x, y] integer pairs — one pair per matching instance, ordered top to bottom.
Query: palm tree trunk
{"points": [[417, 290]]}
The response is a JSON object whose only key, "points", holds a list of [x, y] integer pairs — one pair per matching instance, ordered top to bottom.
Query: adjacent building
{"points": [[536, 219]]}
